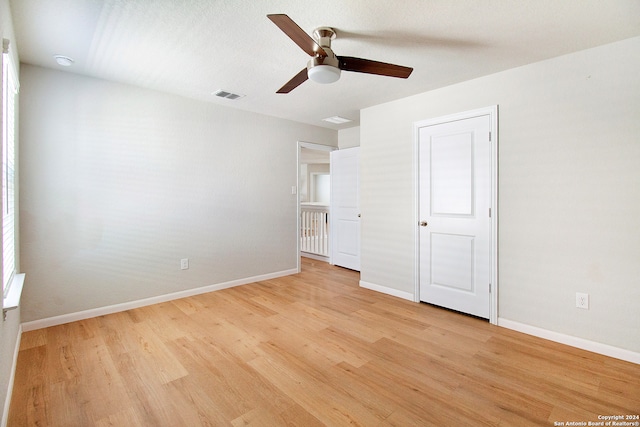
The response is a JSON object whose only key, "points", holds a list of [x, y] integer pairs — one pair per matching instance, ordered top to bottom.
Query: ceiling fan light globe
{"points": [[324, 74]]}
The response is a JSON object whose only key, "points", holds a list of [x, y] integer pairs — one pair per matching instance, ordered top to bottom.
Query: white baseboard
{"points": [[314, 256], [387, 290], [101, 311], [596, 347], [12, 376]]}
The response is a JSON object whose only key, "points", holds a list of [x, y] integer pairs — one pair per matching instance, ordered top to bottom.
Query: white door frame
{"points": [[492, 112], [311, 146]]}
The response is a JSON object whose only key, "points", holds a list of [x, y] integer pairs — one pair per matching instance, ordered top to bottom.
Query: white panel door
{"points": [[345, 208], [455, 224]]}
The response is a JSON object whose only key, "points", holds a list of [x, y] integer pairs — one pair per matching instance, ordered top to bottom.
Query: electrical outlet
{"points": [[184, 263], [582, 300]]}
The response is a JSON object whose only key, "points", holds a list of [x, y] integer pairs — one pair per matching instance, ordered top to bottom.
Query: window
{"points": [[9, 91]]}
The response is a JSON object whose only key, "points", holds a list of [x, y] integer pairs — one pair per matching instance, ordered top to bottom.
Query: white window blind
{"points": [[9, 91]]}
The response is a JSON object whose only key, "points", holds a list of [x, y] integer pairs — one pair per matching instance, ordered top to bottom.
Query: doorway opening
{"points": [[314, 196]]}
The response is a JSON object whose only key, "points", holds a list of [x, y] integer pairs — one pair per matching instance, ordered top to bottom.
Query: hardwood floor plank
{"points": [[248, 303], [295, 313], [169, 322], [344, 322], [118, 333], [287, 336], [33, 339], [237, 340], [347, 348], [309, 349], [412, 363], [167, 367], [31, 371], [219, 376], [98, 377], [545, 383], [305, 386], [360, 389], [623, 390], [145, 394], [422, 398], [512, 406], [67, 411], [128, 417], [293, 417], [404, 418]]}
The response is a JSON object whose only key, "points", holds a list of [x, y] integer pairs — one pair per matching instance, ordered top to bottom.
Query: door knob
{"points": [[423, 223]]}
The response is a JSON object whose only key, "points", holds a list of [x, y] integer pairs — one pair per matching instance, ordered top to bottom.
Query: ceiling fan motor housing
{"points": [[324, 68]]}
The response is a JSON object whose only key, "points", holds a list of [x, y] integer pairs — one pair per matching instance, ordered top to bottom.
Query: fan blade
{"points": [[297, 34], [359, 65], [299, 78]]}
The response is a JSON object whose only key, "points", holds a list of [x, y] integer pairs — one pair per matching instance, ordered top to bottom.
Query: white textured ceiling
{"points": [[194, 47]]}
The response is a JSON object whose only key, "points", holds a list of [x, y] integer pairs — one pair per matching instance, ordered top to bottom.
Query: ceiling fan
{"points": [[324, 65]]}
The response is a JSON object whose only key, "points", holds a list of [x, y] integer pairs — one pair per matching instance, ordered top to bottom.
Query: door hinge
{"points": [[489, 136], [489, 212], [489, 287]]}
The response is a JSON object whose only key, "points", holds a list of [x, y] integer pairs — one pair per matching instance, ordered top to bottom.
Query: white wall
{"points": [[348, 138], [307, 181], [119, 183], [569, 190]]}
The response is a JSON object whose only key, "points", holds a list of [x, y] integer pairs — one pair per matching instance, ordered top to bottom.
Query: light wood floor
{"points": [[308, 350]]}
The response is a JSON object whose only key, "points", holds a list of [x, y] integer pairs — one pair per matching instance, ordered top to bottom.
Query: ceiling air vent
{"points": [[226, 94], [337, 120]]}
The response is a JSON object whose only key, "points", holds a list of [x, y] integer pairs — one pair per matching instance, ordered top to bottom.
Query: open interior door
{"points": [[345, 208]]}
